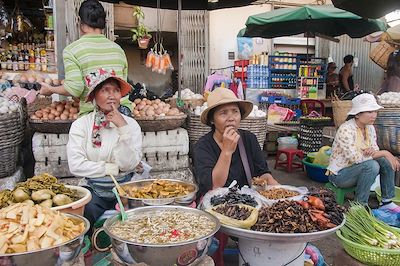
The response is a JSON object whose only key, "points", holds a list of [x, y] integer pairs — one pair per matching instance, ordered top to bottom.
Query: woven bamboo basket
{"points": [[380, 54], [38, 104], [340, 110], [153, 124], [257, 125], [51, 126], [387, 126], [12, 128]]}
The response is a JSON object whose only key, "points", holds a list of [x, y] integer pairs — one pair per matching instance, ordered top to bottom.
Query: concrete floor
{"points": [[328, 246]]}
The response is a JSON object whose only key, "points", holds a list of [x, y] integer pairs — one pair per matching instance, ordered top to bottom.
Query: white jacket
{"points": [[121, 148]]}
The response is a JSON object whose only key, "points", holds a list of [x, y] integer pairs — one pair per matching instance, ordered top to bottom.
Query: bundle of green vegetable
{"points": [[363, 228]]}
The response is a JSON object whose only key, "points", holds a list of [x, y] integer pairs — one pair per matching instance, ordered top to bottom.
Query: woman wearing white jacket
{"points": [[104, 142]]}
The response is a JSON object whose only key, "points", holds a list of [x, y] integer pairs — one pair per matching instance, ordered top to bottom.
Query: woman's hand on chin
{"points": [[116, 117]]}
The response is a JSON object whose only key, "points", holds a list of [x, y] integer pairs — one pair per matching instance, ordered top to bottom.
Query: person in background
{"points": [[92, 51], [346, 75], [332, 81], [392, 81], [104, 142], [356, 160]]}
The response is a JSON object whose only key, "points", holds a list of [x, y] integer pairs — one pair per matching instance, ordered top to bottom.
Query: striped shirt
{"points": [[86, 55]]}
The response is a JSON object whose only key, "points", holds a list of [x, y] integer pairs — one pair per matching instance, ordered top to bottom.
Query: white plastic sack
{"points": [[301, 190], [206, 201]]}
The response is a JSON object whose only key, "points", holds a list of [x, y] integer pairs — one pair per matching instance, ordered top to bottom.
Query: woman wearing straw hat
{"points": [[104, 142], [228, 153], [356, 159]]}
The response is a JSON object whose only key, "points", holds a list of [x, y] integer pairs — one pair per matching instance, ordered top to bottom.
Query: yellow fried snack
{"points": [[159, 189], [27, 228]]}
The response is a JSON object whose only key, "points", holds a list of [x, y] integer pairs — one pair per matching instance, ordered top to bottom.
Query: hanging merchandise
{"points": [[158, 58]]}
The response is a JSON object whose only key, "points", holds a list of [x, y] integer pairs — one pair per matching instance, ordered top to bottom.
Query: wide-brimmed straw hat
{"points": [[95, 78], [221, 96], [364, 103]]}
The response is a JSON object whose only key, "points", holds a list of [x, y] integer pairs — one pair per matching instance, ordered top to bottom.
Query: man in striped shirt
{"points": [[91, 52]]}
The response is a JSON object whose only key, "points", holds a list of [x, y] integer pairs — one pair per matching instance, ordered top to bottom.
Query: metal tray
{"points": [[140, 202], [279, 237]]}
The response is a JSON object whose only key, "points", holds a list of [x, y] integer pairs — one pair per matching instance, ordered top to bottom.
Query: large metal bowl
{"points": [[141, 202], [279, 237], [191, 251], [57, 255]]}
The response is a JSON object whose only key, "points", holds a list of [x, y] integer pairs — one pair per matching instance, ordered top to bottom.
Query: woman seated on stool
{"points": [[104, 142], [217, 155], [218, 158], [356, 159]]}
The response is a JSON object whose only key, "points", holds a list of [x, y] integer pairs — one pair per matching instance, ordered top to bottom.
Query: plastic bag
{"points": [[277, 114], [322, 156], [301, 190], [206, 201], [389, 217], [245, 224]]}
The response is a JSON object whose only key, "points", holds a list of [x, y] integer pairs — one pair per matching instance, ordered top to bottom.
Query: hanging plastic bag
{"points": [[150, 58], [168, 61], [156, 64], [162, 69]]}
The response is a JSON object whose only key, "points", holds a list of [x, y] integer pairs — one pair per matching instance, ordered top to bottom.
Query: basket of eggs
{"points": [[156, 115], [55, 118]]}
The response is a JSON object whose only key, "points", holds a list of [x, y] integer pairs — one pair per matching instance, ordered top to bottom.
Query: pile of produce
{"points": [[31, 77], [187, 94], [389, 98], [7, 106], [152, 109], [64, 110], [42, 189], [158, 189], [278, 193], [233, 197], [333, 210], [233, 211], [307, 216], [285, 217], [29, 228], [363, 228]]}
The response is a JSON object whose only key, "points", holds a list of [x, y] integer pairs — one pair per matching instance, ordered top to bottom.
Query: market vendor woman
{"points": [[104, 142], [217, 156], [356, 160]]}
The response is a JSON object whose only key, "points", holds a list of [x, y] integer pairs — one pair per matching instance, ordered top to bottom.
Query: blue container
{"points": [[315, 172]]}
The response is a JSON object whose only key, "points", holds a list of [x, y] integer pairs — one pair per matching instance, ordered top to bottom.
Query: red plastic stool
{"points": [[289, 164]]}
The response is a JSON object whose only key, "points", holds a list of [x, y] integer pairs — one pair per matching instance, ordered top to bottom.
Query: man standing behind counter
{"points": [[86, 55]]}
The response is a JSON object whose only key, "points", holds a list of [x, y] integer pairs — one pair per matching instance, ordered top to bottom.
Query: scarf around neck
{"points": [[98, 123]]}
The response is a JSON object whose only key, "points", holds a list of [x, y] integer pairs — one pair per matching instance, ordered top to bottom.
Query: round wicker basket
{"points": [[340, 110], [153, 124], [256, 125], [51, 126], [387, 126], [12, 128]]}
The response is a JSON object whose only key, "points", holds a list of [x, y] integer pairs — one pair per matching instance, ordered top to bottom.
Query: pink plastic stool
{"points": [[289, 163]]}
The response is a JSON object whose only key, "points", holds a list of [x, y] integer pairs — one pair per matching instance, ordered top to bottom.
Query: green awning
{"points": [[325, 20]]}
